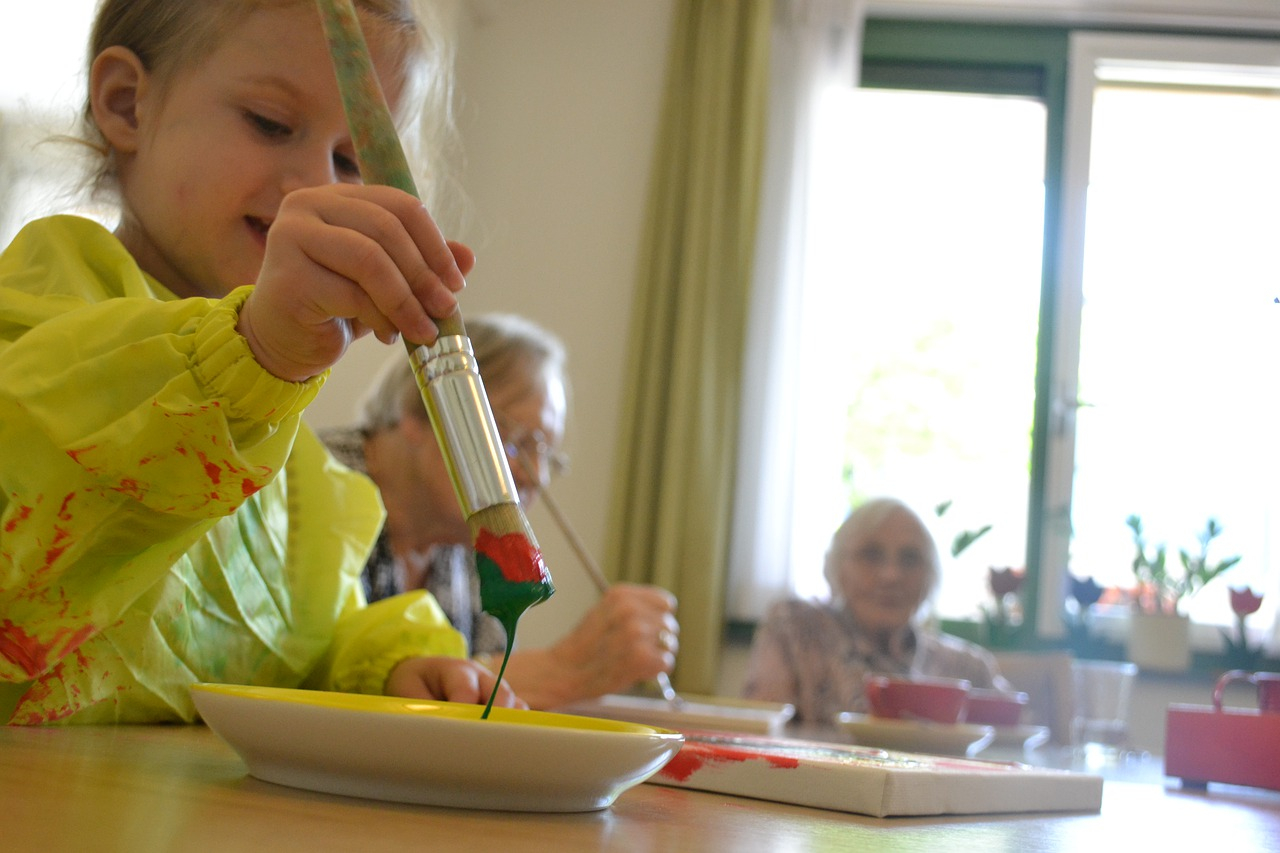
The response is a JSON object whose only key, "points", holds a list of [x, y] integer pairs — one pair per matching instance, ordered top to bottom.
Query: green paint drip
{"points": [[507, 601]]}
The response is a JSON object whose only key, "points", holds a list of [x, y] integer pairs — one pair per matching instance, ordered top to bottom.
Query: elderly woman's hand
{"points": [[630, 635]]}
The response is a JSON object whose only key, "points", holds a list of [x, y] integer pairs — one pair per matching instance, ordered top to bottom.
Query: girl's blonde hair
{"points": [[170, 35]]}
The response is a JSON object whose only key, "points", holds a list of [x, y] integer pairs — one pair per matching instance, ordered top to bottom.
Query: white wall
{"points": [[559, 107]]}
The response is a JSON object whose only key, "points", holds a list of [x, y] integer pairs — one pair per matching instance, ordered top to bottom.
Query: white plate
{"points": [[700, 713], [916, 735], [1020, 737], [434, 753]]}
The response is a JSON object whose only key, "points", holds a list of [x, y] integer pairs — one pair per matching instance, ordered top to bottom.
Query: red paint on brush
{"points": [[516, 557]]}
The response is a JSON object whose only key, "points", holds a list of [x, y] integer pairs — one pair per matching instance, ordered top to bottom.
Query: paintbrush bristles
{"points": [[500, 520]]}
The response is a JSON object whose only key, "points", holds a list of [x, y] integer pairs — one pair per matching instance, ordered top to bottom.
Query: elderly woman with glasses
{"points": [[882, 567], [629, 636]]}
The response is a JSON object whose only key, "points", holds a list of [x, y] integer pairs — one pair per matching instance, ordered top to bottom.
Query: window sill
{"points": [[1110, 645]]}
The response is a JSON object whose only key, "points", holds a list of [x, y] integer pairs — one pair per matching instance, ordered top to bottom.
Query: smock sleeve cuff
{"points": [[225, 365], [371, 641]]}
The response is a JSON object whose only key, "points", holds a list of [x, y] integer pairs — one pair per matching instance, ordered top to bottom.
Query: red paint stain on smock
{"points": [[75, 454], [211, 469], [130, 487], [20, 515], [57, 547], [32, 656]]}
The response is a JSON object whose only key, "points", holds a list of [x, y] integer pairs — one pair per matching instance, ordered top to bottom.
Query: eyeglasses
{"points": [[526, 447], [874, 558]]}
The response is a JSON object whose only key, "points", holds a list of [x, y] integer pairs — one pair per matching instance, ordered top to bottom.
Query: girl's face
{"points": [[223, 141], [884, 576]]}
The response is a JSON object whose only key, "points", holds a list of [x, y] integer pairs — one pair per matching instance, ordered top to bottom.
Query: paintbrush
{"points": [[584, 557], [512, 573]]}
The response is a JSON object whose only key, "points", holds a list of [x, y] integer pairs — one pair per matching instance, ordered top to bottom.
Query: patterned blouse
{"points": [[450, 577], [812, 655]]}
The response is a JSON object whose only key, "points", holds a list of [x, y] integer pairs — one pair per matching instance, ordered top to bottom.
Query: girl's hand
{"points": [[342, 260], [449, 680]]}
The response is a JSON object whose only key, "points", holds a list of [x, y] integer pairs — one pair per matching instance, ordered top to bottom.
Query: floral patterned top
{"points": [[811, 654]]}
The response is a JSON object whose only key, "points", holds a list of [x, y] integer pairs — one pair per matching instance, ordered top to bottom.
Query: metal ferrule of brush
{"points": [[449, 379]]}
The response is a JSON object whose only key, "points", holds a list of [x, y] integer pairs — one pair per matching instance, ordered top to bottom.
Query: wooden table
{"points": [[180, 788]]}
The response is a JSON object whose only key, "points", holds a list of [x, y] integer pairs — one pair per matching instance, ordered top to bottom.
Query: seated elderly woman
{"points": [[882, 567], [629, 636]]}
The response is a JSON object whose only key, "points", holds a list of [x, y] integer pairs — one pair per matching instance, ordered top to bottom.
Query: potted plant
{"points": [[1082, 594], [1004, 620], [983, 632], [1159, 634], [1240, 655]]}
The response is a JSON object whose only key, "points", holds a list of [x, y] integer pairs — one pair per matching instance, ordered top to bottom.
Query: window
{"points": [[1176, 139], [929, 312], [1045, 366]]}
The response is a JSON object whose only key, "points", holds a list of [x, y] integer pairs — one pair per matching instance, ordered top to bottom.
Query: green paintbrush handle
{"points": [[373, 131]]}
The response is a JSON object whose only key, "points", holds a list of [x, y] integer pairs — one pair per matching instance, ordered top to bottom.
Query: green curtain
{"points": [[670, 516]]}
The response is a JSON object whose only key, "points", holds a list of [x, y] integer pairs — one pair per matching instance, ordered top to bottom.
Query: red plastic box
{"points": [[1236, 746]]}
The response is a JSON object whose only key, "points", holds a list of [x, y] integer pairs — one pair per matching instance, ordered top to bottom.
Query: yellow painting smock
{"points": [[165, 515]]}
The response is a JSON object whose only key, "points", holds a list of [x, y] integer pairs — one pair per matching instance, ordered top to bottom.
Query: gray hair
{"points": [[511, 351], [860, 523]]}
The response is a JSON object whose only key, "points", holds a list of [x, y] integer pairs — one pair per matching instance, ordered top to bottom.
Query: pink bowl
{"points": [[940, 700], [994, 707]]}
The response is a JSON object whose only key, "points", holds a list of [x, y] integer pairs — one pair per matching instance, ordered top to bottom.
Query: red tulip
{"points": [[1004, 581], [1244, 601]]}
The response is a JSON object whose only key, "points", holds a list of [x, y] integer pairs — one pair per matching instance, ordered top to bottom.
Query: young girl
{"points": [[165, 516]]}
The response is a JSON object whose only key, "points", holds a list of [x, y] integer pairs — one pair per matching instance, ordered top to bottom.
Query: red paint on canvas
{"points": [[693, 757]]}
